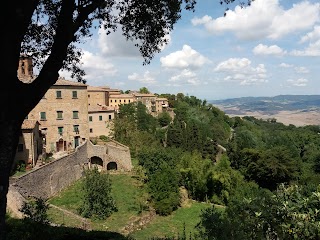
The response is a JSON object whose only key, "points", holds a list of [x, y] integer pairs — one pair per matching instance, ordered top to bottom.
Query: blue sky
{"points": [[267, 49]]}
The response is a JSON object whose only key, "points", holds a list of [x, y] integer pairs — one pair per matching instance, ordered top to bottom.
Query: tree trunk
{"points": [[9, 136]]}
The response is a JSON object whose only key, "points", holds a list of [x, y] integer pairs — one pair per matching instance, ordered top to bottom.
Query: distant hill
{"points": [[269, 105], [299, 110]]}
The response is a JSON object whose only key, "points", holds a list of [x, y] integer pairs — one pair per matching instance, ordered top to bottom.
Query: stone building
{"points": [[100, 95], [147, 99], [115, 100], [161, 105], [63, 115], [100, 120], [30, 143]]}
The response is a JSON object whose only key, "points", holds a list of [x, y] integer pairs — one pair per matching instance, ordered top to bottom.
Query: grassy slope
{"points": [[127, 195]]}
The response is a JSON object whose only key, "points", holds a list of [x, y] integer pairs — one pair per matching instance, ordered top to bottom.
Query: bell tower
{"points": [[25, 69]]}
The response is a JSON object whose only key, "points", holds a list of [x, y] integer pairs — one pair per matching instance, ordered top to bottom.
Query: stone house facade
{"points": [[147, 99], [115, 100], [161, 105], [63, 115], [100, 120], [30, 143]]}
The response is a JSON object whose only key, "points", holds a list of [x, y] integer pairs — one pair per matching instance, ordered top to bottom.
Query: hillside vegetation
{"points": [[259, 179]]}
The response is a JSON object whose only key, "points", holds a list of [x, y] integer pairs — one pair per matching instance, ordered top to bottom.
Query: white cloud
{"points": [[264, 18], [311, 36], [115, 44], [268, 50], [312, 50], [186, 58], [285, 65], [96, 67], [301, 69], [240, 70], [186, 76], [145, 78], [301, 82]]}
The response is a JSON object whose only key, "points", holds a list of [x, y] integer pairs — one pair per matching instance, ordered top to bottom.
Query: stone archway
{"points": [[96, 162], [112, 166]]}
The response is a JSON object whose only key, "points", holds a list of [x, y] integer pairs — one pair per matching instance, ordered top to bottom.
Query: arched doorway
{"points": [[96, 162], [112, 166]]}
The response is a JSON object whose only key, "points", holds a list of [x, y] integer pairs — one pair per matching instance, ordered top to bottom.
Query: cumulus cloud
{"points": [[263, 19], [311, 36], [115, 44], [313, 47], [268, 50], [312, 50], [185, 58], [285, 65], [96, 67], [301, 69], [240, 70], [186, 76], [147, 77], [301, 82]]}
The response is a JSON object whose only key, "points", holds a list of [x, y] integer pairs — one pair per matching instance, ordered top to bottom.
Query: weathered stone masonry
{"points": [[51, 178]]}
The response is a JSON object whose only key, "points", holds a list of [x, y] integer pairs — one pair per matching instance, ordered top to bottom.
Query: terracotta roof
{"points": [[64, 82], [99, 89], [144, 95], [121, 96], [161, 99], [98, 108], [29, 124]]}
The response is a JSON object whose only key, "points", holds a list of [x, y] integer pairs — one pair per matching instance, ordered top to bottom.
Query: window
{"points": [[58, 94], [74, 94], [88, 95], [110, 100], [115, 100], [120, 100], [124, 100], [129, 100], [75, 114], [59, 115], [43, 116], [110, 117], [90, 118], [100, 118], [76, 128], [60, 130], [91, 130], [20, 147]]}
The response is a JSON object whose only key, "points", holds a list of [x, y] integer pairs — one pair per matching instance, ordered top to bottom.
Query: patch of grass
{"points": [[126, 194], [69, 198], [173, 225]]}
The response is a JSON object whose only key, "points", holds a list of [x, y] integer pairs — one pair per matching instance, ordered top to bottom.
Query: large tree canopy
{"points": [[50, 31]]}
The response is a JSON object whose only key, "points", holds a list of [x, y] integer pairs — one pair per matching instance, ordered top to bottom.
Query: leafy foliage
{"points": [[97, 201], [36, 210]]}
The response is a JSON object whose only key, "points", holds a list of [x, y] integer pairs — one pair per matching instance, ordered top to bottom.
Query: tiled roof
{"points": [[64, 82], [100, 89], [144, 95], [122, 96], [161, 99], [29, 124]]}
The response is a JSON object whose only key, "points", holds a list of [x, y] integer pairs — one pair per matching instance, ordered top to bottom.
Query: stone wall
{"points": [[111, 151], [120, 153], [51, 178]]}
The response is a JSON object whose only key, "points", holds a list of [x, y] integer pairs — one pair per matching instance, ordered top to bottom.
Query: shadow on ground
{"points": [[24, 229]]}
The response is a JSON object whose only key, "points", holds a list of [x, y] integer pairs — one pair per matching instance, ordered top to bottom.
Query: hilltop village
{"points": [[71, 113]]}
